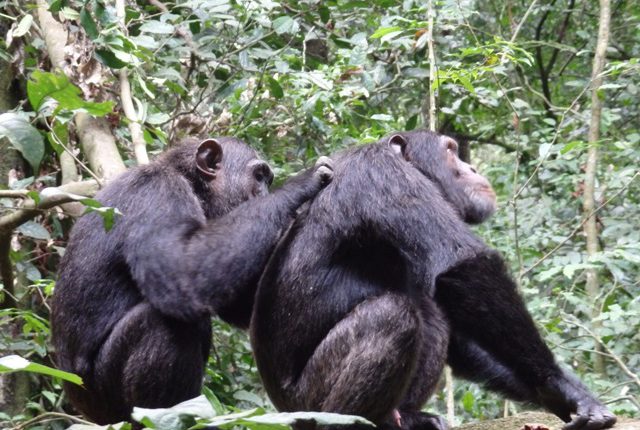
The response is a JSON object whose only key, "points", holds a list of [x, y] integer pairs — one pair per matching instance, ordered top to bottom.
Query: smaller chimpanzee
{"points": [[379, 281], [132, 306]]}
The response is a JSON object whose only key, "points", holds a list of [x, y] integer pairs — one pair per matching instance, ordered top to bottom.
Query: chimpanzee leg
{"points": [[488, 316], [150, 360], [431, 360], [365, 363]]}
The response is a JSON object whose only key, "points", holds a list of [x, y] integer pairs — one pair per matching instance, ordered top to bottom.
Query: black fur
{"points": [[380, 281], [132, 306]]}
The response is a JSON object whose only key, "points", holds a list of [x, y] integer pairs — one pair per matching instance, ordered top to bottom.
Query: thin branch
{"points": [[561, 33], [432, 71], [544, 77], [14, 194], [609, 351], [50, 416]]}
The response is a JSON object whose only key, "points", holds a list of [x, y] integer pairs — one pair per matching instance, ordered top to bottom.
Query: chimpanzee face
{"points": [[436, 157], [234, 172], [480, 197]]}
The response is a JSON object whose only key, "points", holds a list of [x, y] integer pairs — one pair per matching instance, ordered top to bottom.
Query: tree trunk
{"points": [[590, 227]]}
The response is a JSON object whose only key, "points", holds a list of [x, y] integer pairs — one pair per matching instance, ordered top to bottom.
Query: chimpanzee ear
{"points": [[398, 144], [208, 156]]}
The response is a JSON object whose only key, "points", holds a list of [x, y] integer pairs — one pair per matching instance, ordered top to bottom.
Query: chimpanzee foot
{"points": [[422, 421]]}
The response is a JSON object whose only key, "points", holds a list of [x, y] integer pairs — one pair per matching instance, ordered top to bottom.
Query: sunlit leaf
{"points": [[382, 31], [57, 86], [14, 363]]}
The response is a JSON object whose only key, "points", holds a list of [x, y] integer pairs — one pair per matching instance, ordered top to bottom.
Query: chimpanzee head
{"points": [[436, 157], [224, 171]]}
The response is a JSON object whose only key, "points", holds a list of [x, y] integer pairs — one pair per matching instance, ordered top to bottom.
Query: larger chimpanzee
{"points": [[380, 281], [132, 306]]}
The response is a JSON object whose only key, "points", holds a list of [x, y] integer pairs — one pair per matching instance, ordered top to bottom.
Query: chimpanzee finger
{"points": [[324, 161], [577, 423]]}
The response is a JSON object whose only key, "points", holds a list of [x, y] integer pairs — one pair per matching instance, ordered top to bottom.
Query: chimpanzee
{"points": [[379, 281], [132, 307]]}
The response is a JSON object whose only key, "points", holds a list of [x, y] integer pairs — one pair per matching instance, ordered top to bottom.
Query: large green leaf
{"points": [[285, 24], [57, 86], [24, 137], [14, 363], [199, 413], [178, 417], [321, 418], [118, 426]]}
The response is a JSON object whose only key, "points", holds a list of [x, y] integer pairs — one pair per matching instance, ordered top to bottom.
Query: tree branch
{"points": [[544, 77], [135, 127], [31, 209], [6, 272]]}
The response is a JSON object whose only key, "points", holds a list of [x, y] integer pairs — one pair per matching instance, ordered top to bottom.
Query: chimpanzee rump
{"points": [[380, 281], [132, 306]]}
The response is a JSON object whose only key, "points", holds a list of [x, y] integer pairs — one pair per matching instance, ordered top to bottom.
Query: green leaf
{"points": [[325, 14], [89, 24], [285, 24], [24, 26], [157, 27], [382, 31], [108, 58], [466, 83], [57, 86], [275, 88], [382, 117], [411, 123], [59, 133], [24, 137], [35, 196], [108, 214], [34, 230], [14, 363], [468, 401], [178, 417], [321, 418], [119, 426]]}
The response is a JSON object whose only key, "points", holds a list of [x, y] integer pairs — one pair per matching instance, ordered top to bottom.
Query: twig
{"points": [[70, 152], [14, 194], [611, 354], [630, 399], [51, 416]]}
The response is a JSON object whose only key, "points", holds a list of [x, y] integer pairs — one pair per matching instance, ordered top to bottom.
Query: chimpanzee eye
{"points": [[263, 174]]}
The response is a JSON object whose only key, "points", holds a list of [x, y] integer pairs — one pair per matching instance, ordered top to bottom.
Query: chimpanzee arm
{"points": [[187, 267], [483, 306], [469, 361]]}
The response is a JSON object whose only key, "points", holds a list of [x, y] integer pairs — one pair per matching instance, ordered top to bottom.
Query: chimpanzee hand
{"points": [[324, 170], [306, 184], [571, 401]]}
